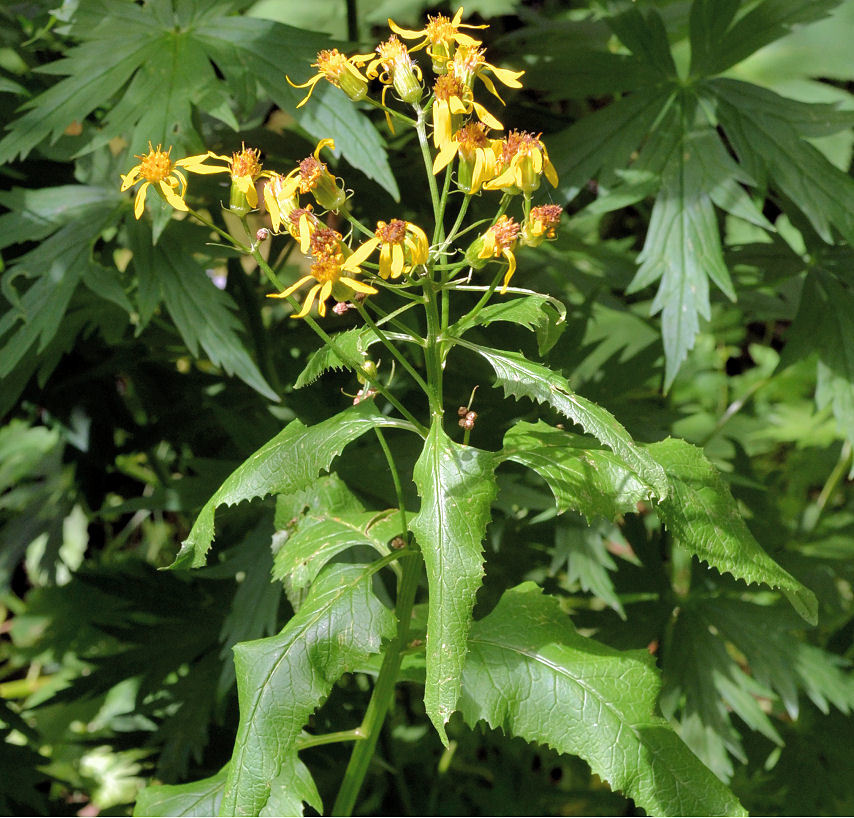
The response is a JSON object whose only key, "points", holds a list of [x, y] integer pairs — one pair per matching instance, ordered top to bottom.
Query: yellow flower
{"points": [[441, 36], [468, 63], [394, 67], [343, 72], [451, 100], [477, 156], [522, 162], [157, 168], [245, 169], [312, 176], [541, 224], [499, 240], [403, 245], [329, 272]]}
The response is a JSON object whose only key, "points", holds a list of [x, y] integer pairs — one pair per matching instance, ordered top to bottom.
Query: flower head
{"points": [[441, 36], [468, 63], [394, 66], [343, 72], [451, 100], [476, 153], [522, 162], [157, 168], [313, 176], [541, 224], [497, 242], [403, 245], [329, 270]]}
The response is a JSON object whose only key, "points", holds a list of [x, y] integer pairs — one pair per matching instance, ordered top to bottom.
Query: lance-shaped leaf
{"points": [[523, 378], [287, 463], [583, 475], [456, 485], [703, 518], [321, 535], [532, 674], [281, 680], [201, 797]]}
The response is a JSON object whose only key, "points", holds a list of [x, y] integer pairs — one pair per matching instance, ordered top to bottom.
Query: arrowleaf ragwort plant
{"points": [[422, 292]]}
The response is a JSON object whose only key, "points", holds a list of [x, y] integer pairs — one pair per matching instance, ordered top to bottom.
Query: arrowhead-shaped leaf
{"points": [[523, 378], [287, 463], [456, 485], [703, 518], [532, 674], [281, 680]]}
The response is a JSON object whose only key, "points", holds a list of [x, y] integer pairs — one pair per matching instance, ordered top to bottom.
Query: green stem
{"points": [[390, 111], [421, 129], [460, 216], [239, 246], [469, 317], [390, 346], [433, 351], [843, 465], [395, 476], [383, 693], [306, 740]]}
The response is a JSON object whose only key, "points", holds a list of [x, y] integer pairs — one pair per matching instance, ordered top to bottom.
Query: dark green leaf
{"points": [[195, 798]]}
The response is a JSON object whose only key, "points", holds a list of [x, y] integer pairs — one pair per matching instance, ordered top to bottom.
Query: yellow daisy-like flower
{"points": [[441, 36], [468, 63], [395, 67], [342, 71], [451, 101], [477, 156], [522, 162], [157, 168], [245, 169], [313, 176], [541, 224], [498, 241], [403, 245], [332, 271]]}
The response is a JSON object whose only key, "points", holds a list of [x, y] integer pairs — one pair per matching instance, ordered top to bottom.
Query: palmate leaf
{"points": [[202, 313], [523, 378], [287, 463], [583, 475], [456, 485], [703, 518], [322, 534], [531, 673], [282, 679]]}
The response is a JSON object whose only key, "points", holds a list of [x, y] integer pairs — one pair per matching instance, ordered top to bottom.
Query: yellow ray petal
{"points": [[445, 155], [130, 178], [173, 198], [139, 202], [360, 254], [358, 286], [293, 288], [309, 300]]}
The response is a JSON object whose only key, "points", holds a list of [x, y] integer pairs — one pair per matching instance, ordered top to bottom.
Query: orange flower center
{"points": [[439, 29], [393, 52], [467, 60], [332, 63], [446, 87], [471, 137], [519, 143], [246, 162], [156, 166], [310, 171], [548, 216], [505, 231], [392, 233], [325, 243], [327, 268]]}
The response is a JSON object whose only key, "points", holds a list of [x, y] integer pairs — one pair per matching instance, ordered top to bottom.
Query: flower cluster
{"points": [[466, 148]]}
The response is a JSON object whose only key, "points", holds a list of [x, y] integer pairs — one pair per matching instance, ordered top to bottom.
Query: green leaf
{"points": [[646, 37], [716, 44], [769, 143], [683, 244], [202, 313], [544, 315], [353, 343], [523, 378], [287, 463], [583, 475], [456, 485], [703, 518], [321, 535], [532, 674], [281, 680], [194, 798]]}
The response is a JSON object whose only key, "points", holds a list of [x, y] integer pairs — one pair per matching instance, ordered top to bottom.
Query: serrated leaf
{"points": [[646, 37], [716, 44], [769, 143], [683, 244], [202, 313], [539, 313], [353, 343], [523, 378], [287, 463], [583, 475], [456, 485], [703, 518], [322, 535], [532, 674], [281, 680], [201, 797]]}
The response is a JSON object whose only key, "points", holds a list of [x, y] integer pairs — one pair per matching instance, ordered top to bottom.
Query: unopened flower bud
{"points": [[262, 234], [340, 307]]}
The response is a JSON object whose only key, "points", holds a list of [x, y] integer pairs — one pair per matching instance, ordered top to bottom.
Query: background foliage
{"points": [[695, 142]]}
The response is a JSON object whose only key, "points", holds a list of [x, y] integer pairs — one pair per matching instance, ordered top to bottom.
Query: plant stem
{"points": [[428, 166], [433, 351], [398, 487], [383, 692], [305, 741]]}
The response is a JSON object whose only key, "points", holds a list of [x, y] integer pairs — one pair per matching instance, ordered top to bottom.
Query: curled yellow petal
{"points": [[129, 178], [173, 198], [139, 202], [358, 286], [292, 289], [309, 300]]}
